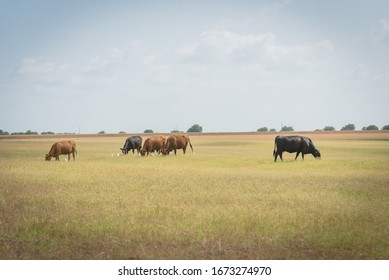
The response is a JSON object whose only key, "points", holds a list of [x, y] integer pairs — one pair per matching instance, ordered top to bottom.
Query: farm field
{"points": [[228, 200]]}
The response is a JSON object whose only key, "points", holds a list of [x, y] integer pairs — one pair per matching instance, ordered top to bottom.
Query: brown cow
{"points": [[176, 142], [153, 144], [66, 147]]}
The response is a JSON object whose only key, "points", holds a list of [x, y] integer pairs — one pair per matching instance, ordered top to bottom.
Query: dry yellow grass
{"points": [[229, 200]]}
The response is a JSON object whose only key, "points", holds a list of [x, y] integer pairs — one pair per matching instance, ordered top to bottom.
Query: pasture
{"points": [[228, 200]]}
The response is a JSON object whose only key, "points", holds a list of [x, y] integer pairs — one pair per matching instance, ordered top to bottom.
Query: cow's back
{"points": [[137, 141], [182, 141], [134, 142], [158, 142], [153, 143], [289, 143], [66, 147]]}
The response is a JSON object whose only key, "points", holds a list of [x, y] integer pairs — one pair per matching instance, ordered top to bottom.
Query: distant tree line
{"points": [[193, 128], [198, 128], [328, 128], [265, 129], [30, 132]]}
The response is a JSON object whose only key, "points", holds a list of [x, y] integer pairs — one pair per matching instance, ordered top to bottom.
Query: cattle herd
{"points": [[157, 144], [161, 145]]}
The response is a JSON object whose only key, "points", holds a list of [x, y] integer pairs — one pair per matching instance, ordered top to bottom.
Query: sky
{"points": [[229, 66]]}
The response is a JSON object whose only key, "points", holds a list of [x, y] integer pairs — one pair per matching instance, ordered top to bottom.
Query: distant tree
{"points": [[349, 127], [370, 127], [385, 127], [195, 128], [287, 128], [329, 128], [263, 129], [272, 129], [318, 129], [148, 131], [176, 131], [3, 132], [28, 132], [47, 132], [102, 132], [122, 132]]}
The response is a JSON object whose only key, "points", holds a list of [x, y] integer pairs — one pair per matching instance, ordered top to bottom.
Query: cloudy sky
{"points": [[70, 66]]}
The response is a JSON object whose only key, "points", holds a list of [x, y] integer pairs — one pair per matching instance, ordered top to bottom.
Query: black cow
{"points": [[132, 143], [293, 144]]}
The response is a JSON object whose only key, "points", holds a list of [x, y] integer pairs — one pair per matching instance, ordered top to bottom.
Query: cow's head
{"points": [[124, 151], [164, 151], [142, 153], [317, 154], [48, 157]]}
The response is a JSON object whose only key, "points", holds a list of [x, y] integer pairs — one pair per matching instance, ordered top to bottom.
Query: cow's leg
{"points": [[184, 150], [175, 152], [302, 155], [74, 156], [297, 156], [68, 157], [275, 157], [281, 157], [57, 158]]}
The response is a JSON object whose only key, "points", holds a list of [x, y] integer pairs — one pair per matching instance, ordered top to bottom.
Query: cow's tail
{"points": [[190, 144], [275, 147], [75, 151]]}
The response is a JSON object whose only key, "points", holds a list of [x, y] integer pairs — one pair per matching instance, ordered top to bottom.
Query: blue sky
{"points": [[69, 66]]}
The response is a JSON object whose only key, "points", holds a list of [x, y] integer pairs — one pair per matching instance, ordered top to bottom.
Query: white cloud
{"points": [[273, 8], [223, 44], [226, 45], [105, 60], [32, 66], [43, 72]]}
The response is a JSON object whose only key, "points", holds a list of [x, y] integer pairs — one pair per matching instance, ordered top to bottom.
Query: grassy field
{"points": [[228, 200]]}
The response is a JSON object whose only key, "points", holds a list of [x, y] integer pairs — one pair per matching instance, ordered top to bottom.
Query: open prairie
{"points": [[228, 200]]}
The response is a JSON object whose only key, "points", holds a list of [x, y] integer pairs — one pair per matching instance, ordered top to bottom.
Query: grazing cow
{"points": [[176, 142], [132, 143], [153, 144], [293, 144], [66, 147]]}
